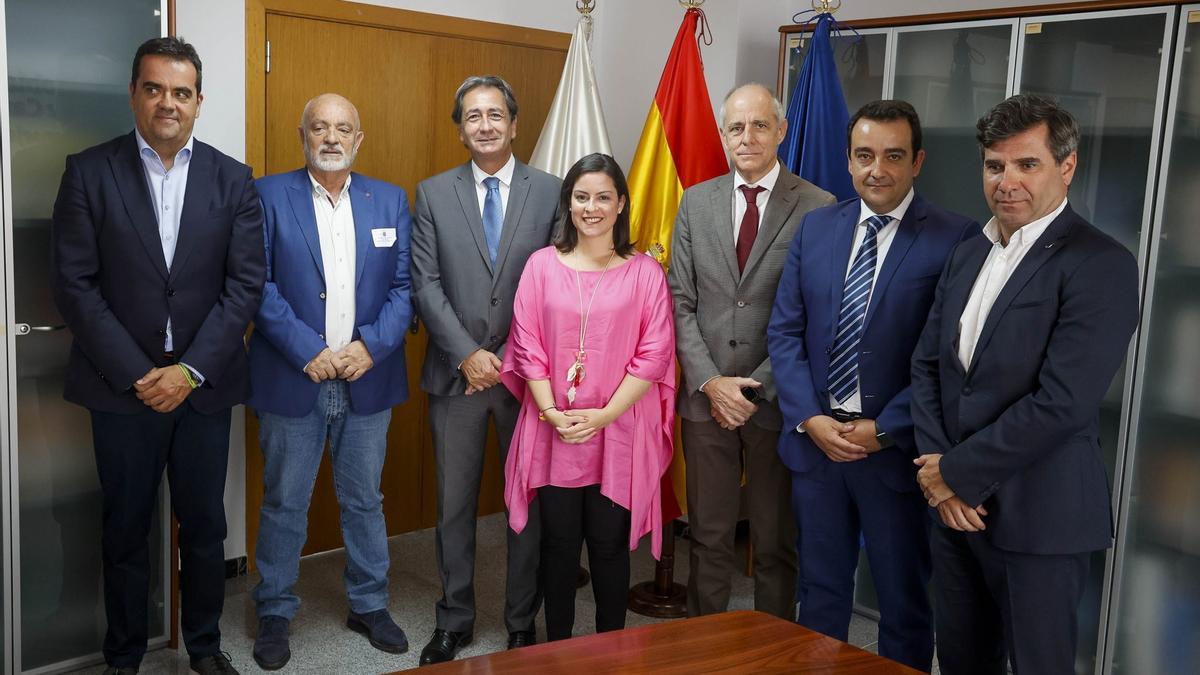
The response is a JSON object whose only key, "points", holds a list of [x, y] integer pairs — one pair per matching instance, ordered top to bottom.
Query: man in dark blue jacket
{"points": [[159, 257], [850, 307], [1029, 325], [327, 363]]}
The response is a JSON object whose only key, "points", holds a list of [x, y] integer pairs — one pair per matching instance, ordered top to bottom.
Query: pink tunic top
{"points": [[629, 330]]}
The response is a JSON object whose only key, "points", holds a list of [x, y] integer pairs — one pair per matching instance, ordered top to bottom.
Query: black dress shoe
{"points": [[379, 628], [521, 638], [443, 646], [271, 650], [215, 664], [114, 670]]}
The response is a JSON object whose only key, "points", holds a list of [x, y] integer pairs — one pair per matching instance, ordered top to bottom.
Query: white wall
{"points": [[629, 47]]}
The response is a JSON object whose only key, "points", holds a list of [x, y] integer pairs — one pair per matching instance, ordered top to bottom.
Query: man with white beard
{"points": [[327, 364]]}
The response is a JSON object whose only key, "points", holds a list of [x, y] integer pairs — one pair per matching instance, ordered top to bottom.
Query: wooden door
{"points": [[401, 70]]}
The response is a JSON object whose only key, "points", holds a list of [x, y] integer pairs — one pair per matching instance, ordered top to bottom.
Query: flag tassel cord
{"points": [[819, 9]]}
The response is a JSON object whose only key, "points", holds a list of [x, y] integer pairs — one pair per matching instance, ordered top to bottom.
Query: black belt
{"points": [[845, 415]]}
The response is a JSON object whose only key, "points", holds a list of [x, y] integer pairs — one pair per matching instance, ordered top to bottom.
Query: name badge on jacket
{"points": [[383, 236]]}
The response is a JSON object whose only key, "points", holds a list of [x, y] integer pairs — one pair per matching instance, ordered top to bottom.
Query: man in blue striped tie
{"points": [[853, 298]]}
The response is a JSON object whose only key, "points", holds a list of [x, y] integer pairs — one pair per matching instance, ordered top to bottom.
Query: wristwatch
{"points": [[882, 438]]}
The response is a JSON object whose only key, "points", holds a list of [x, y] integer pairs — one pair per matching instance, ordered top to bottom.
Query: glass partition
{"points": [[860, 60], [1109, 70], [952, 76], [68, 83], [1157, 615]]}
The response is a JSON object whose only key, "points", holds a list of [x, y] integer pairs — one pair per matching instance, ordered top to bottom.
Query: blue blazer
{"points": [[115, 292], [289, 329], [801, 332], [1019, 431]]}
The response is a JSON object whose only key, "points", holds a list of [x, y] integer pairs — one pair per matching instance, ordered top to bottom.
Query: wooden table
{"points": [[733, 642]]}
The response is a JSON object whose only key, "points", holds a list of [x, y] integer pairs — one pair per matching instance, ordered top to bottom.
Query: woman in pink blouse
{"points": [[591, 357]]}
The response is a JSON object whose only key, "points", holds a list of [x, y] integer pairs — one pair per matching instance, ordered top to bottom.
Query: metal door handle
{"points": [[26, 329]]}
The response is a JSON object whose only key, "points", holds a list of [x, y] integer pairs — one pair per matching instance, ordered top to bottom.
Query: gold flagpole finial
{"points": [[691, 4], [826, 6], [585, 7]]}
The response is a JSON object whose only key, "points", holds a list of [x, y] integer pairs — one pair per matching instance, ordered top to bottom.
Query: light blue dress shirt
{"points": [[167, 188]]}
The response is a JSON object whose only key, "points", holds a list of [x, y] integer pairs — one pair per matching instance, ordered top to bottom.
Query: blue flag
{"points": [[815, 145]]}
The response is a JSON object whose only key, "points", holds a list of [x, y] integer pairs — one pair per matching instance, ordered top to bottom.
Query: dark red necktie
{"points": [[749, 228]]}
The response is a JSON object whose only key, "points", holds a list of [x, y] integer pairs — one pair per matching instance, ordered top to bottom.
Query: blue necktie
{"points": [[493, 216], [843, 360]]}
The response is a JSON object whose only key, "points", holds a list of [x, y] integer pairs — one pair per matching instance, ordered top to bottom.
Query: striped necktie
{"points": [[843, 360]]}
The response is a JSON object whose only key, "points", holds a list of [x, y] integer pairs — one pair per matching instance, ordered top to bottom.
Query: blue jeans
{"points": [[292, 448]]}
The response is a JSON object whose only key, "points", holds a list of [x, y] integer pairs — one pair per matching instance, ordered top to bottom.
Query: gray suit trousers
{"points": [[459, 426], [716, 458]]}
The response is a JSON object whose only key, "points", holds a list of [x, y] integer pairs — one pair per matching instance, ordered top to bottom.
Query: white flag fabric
{"points": [[575, 126]]}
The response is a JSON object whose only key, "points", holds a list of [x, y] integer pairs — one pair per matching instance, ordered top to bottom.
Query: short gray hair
{"points": [[476, 81], [780, 111], [1025, 111]]}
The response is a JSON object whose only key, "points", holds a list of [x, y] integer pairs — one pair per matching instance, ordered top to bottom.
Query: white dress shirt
{"points": [[505, 175], [166, 194], [739, 202], [739, 209], [335, 230], [883, 243], [997, 268]]}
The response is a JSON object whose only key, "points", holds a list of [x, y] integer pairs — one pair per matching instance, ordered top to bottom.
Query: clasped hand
{"points": [[349, 363], [482, 370], [163, 389], [729, 407], [578, 426], [842, 441], [955, 513]]}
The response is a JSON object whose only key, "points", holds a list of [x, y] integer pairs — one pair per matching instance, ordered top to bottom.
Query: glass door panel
{"points": [[860, 63], [1109, 70], [952, 76], [68, 79], [1157, 615]]}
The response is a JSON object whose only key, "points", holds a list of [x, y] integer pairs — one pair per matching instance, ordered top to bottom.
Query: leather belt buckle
{"points": [[845, 416]]}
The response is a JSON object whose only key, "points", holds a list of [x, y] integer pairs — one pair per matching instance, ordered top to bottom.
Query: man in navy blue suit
{"points": [[159, 257], [850, 307], [1029, 325], [327, 364]]}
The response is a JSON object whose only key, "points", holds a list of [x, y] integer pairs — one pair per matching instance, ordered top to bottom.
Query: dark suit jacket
{"points": [[115, 292], [464, 300], [720, 315], [803, 326], [289, 329], [1019, 431]]}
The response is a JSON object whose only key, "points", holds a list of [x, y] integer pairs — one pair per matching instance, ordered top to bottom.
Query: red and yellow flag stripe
{"points": [[679, 147]]}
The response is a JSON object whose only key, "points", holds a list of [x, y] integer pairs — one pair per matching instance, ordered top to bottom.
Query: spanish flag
{"points": [[680, 147]]}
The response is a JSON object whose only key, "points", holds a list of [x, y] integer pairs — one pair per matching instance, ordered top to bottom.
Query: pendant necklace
{"points": [[575, 372]]}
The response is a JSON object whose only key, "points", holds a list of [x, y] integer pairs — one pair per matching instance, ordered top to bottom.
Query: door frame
{"points": [[8, 391]]}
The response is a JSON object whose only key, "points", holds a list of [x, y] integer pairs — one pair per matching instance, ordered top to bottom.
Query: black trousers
{"points": [[131, 453], [570, 516], [993, 605]]}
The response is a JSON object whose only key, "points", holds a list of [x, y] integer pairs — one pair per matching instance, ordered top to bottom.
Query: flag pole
{"points": [[662, 598]]}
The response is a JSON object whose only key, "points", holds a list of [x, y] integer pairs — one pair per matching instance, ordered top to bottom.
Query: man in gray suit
{"points": [[476, 225], [730, 243]]}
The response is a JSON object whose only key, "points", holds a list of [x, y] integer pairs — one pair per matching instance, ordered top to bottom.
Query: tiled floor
{"points": [[321, 643]]}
